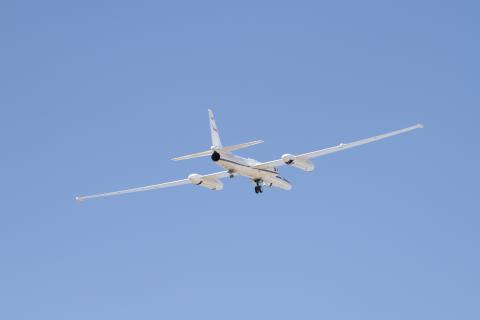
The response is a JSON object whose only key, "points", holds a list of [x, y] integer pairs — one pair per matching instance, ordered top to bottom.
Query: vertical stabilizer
{"points": [[213, 130]]}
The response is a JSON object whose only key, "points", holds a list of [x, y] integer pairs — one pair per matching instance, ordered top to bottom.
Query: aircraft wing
{"points": [[340, 147], [217, 175]]}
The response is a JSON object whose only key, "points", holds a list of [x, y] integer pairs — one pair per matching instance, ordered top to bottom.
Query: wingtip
{"points": [[420, 125], [78, 199]]}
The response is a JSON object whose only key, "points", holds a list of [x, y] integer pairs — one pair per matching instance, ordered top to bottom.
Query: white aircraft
{"points": [[260, 173]]}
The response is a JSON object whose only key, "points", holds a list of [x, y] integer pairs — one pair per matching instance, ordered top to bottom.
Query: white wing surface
{"points": [[340, 147], [218, 175]]}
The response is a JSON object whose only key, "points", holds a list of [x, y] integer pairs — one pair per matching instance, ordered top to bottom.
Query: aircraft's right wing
{"points": [[340, 147], [193, 178]]}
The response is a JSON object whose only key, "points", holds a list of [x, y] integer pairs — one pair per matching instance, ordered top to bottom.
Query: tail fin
{"points": [[214, 131], [216, 143]]}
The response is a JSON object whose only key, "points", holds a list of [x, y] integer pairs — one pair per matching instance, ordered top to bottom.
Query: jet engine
{"points": [[215, 156], [303, 164], [209, 183]]}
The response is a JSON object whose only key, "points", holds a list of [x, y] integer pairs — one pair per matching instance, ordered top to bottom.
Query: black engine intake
{"points": [[215, 156]]}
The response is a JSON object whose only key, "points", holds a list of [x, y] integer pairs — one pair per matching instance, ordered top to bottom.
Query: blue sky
{"points": [[99, 95]]}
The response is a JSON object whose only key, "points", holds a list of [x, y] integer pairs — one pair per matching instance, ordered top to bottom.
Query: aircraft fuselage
{"points": [[244, 167]]}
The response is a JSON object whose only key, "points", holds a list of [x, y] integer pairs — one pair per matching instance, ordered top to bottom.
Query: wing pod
{"points": [[297, 162], [209, 183]]}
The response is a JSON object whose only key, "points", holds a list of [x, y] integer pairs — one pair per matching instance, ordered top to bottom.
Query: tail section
{"points": [[214, 131], [216, 143]]}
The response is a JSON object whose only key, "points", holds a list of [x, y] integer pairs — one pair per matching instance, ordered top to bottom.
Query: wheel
{"points": [[257, 189]]}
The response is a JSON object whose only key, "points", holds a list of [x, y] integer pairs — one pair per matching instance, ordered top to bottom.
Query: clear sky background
{"points": [[97, 96]]}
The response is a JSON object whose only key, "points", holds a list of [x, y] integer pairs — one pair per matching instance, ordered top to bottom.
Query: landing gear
{"points": [[258, 187]]}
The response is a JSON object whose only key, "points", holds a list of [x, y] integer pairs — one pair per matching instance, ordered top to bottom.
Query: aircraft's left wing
{"points": [[290, 159], [208, 180]]}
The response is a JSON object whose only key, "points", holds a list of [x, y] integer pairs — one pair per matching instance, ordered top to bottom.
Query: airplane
{"points": [[262, 174]]}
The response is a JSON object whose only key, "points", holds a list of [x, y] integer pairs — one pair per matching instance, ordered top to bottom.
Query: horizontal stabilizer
{"points": [[240, 146], [222, 149], [194, 155]]}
